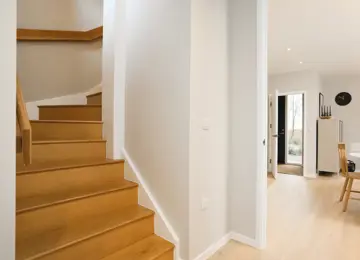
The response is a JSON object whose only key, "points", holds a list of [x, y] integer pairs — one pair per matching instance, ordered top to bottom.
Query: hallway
{"points": [[306, 222]]}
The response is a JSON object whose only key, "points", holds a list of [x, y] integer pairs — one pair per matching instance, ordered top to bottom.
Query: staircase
{"points": [[72, 202]]}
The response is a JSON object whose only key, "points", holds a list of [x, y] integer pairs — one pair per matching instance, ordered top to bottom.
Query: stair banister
{"points": [[24, 125]]}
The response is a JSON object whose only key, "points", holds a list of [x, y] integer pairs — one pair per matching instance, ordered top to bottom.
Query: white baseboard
{"points": [[163, 227], [244, 239], [214, 248]]}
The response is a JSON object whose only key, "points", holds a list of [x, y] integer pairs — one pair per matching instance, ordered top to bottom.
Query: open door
{"points": [[274, 133]]}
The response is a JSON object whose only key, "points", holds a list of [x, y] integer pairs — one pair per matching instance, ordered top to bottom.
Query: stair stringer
{"points": [[163, 227]]}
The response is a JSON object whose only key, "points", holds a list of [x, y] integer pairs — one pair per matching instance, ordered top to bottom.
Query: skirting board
{"points": [[163, 227], [244, 240], [214, 248]]}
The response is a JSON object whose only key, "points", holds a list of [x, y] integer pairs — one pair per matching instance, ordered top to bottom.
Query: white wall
{"points": [[77, 15], [53, 69], [114, 76], [310, 83], [333, 85], [158, 101], [247, 120], [208, 124], [7, 136]]}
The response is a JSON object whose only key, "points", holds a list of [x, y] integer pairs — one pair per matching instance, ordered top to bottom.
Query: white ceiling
{"points": [[323, 34]]}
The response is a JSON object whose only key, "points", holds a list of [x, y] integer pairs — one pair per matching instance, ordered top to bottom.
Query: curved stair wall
{"points": [[69, 64]]}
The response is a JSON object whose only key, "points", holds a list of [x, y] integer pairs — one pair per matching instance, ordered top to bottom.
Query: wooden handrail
{"points": [[54, 35], [24, 125]]}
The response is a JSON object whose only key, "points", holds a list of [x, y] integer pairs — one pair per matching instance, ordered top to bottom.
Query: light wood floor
{"points": [[290, 169], [305, 222]]}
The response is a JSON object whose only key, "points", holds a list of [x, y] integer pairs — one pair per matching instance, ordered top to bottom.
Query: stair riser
{"points": [[94, 100], [70, 113], [65, 131], [68, 151], [42, 183], [35, 221], [105, 244], [167, 256]]}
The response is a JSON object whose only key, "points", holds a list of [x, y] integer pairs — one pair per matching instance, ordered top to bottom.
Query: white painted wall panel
{"points": [[208, 109], [7, 135]]}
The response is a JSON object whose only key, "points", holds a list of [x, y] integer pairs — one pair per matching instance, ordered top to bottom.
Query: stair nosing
{"points": [[49, 106], [65, 122], [69, 141], [59, 168], [85, 196], [93, 235], [170, 249], [155, 256]]}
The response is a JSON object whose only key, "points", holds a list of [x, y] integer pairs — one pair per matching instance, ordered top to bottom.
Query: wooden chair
{"points": [[349, 176]]}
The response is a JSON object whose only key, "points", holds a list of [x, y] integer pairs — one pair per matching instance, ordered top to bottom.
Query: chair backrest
{"points": [[343, 159]]}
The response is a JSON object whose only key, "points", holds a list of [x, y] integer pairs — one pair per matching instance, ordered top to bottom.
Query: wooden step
{"points": [[94, 99], [70, 112], [43, 130], [43, 151], [37, 186], [59, 196], [37, 215], [89, 238], [150, 248]]}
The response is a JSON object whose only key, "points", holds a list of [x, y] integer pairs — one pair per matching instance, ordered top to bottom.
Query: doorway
{"points": [[290, 133]]}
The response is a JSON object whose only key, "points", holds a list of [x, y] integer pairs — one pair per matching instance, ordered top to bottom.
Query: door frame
{"points": [[304, 135]]}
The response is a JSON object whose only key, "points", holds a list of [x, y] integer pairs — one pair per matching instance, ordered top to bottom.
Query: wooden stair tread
{"points": [[40, 106], [65, 122], [61, 165], [36, 202], [79, 230], [149, 248]]}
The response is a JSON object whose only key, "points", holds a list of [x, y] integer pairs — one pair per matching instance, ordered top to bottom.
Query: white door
{"points": [[274, 134]]}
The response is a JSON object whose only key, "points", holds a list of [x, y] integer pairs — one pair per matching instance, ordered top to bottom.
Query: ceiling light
{"points": [[288, 49], [301, 62]]}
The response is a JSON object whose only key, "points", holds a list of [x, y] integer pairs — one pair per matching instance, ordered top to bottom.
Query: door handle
{"points": [[276, 136]]}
